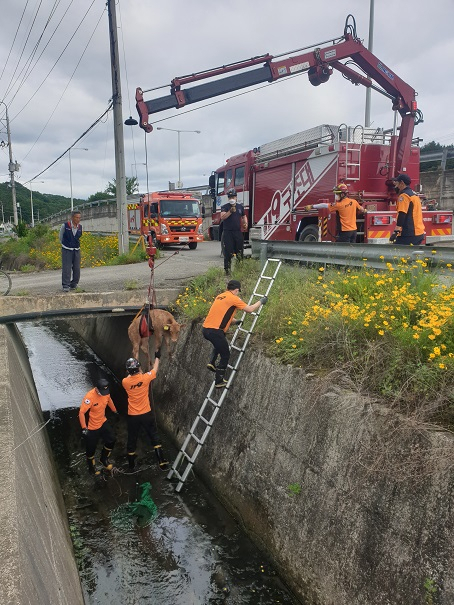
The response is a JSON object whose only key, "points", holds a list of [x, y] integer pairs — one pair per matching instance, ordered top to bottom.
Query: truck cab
{"points": [[167, 218]]}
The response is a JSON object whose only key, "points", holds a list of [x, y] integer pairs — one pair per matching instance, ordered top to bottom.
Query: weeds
{"points": [[390, 331]]}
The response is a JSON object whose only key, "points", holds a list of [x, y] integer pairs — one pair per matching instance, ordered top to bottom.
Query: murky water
{"points": [[191, 553]]}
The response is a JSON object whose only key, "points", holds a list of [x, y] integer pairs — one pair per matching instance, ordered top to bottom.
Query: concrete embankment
{"points": [[352, 502], [38, 565]]}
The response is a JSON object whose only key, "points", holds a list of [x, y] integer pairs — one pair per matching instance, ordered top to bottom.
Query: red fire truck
{"points": [[277, 180], [167, 218]]}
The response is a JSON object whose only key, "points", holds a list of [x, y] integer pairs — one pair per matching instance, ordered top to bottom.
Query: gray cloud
{"points": [[159, 41]]}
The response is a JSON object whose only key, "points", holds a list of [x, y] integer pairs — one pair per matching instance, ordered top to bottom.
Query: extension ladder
{"points": [[206, 416]]}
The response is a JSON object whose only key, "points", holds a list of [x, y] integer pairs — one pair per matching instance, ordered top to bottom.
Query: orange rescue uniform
{"points": [[347, 213], [411, 219], [222, 311], [136, 386], [96, 404]]}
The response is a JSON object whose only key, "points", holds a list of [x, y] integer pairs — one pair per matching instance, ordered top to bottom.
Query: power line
{"points": [[14, 40], [23, 48], [58, 59], [27, 74], [66, 87], [75, 143]]}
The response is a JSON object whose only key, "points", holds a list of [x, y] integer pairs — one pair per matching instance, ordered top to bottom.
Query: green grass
{"points": [[390, 332]]}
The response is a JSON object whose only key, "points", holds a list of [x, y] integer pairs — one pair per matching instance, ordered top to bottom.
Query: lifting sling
{"points": [[206, 416]]}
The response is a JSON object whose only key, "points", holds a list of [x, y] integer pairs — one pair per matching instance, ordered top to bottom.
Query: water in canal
{"points": [[190, 552]]}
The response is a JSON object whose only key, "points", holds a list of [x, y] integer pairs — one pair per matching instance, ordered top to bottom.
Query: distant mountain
{"points": [[44, 204]]}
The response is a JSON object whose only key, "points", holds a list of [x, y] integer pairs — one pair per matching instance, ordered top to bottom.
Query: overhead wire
{"points": [[14, 40], [24, 46], [42, 52], [54, 65], [127, 81], [67, 85], [75, 143]]}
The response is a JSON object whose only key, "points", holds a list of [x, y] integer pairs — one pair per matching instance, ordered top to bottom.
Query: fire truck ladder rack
{"points": [[352, 154], [206, 416]]}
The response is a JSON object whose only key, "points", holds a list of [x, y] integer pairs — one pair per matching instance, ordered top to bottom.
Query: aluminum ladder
{"points": [[214, 399]]}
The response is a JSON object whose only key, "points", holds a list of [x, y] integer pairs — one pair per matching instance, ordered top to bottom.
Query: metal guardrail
{"points": [[355, 255]]}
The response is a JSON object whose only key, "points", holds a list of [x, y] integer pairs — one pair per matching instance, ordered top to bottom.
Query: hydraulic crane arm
{"points": [[317, 63]]}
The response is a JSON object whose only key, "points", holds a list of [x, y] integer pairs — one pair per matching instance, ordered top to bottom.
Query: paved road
{"points": [[173, 269]]}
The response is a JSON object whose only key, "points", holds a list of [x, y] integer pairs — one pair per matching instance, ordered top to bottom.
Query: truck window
{"points": [[239, 176], [228, 178], [220, 183], [154, 208], [182, 208], [145, 210]]}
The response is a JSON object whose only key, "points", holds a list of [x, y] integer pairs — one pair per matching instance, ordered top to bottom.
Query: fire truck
{"points": [[276, 181], [167, 218]]}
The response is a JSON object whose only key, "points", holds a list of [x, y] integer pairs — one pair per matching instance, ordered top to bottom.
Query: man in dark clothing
{"points": [[233, 220], [410, 225], [70, 234]]}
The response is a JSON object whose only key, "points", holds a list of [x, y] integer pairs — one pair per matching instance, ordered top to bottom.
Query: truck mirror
{"points": [[212, 181], [203, 211]]}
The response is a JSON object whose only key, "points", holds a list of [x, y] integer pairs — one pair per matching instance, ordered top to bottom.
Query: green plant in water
{"points": [[294, 489], [430, 591]]}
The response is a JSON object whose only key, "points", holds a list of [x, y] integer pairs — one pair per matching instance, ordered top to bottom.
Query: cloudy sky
{"points": [[55, 78]]}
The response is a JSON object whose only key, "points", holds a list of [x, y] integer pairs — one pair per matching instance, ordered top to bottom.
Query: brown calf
{"points": [[165, 330]]}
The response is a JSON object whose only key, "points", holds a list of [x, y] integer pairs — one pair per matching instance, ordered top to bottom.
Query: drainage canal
{"points": [[175, 549]]}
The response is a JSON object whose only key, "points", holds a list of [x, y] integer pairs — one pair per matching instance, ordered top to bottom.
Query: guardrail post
{"points": [[263, 253]]}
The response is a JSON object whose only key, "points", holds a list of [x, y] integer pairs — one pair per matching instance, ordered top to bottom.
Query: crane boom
{"points": [[318, 63]]}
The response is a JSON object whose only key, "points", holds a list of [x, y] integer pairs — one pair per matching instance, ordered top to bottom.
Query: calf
{"points": [[165, 329]]}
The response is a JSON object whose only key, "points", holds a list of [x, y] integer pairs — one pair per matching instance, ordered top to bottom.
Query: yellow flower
{"points": [[321, 269], [294, 332], [381, 332], [416, 336], [432, 336], [293, 346], [441, 365]]}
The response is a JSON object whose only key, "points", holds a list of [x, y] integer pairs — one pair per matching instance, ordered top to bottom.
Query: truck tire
{"points": [[309, 234], [192, 245]]}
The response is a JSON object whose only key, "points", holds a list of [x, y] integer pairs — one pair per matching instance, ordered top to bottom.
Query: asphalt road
{"points": [[175, 267]]}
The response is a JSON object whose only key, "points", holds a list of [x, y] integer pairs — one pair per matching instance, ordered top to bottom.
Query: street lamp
{"points": [[70, 173], [180, 184], [31, 200]]}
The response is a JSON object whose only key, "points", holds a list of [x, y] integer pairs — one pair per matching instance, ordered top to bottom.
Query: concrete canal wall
{"points": [[354, 504], [38, 566]]}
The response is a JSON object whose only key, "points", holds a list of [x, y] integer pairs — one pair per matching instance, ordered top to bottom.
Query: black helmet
{"points": [[231, 193], [132, 365], [103, 386]]}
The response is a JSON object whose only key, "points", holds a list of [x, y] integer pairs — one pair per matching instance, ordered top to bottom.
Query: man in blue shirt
{"points": [[70, 234]]}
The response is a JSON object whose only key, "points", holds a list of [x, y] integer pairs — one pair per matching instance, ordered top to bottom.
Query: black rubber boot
{"points": [[211, 365], [220, 381], [104, 459], [131, 460], [163, 463], [92, 466]]}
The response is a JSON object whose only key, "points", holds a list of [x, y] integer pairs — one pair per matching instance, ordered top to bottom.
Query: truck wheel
{"points": [[309, 234], [192, 245]]}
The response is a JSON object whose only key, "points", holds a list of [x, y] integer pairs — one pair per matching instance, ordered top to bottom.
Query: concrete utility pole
{"points": [[370, 47], [12, 166], [120, 178]]}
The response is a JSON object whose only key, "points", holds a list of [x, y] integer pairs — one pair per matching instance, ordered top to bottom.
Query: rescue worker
{"points": [[346, 208], [233, 219], [410, 225], [70, 234], [217, 322], [136, 385], [94, 403]]}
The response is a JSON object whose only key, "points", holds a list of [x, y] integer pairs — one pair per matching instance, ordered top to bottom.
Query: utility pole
{"points": [[370, 47], [12, 166], [120, 178]]}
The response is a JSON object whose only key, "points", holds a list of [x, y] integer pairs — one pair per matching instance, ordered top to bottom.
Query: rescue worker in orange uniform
{"points": [[346, 208], [410, 225], [217, 322], [136, 385], [94, 404]]}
